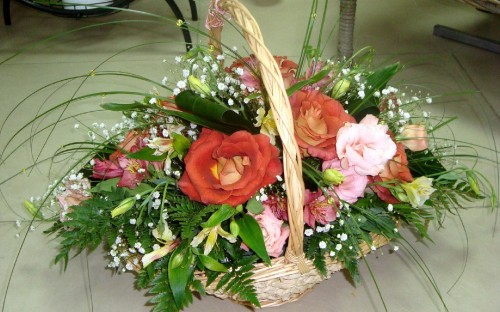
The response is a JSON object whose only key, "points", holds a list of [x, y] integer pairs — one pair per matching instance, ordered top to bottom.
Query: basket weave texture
{"points": [[292, 275]]}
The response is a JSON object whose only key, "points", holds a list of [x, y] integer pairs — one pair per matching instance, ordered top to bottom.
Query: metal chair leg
{"points": [[194, 11], [6, 12], [179, 16]]}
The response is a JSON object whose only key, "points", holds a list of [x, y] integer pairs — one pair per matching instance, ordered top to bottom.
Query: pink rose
{"points": [[414, 137], [365, 146], [353, 185], [317, 209], [274, 231]]}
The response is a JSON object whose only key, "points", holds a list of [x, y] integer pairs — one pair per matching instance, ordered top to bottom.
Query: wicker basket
{"points": [[492, 6], [292, 275]]}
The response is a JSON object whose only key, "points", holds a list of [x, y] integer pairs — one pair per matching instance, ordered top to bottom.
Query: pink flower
{"points": [[315, 67], [414, 137], [365, 146], [106, 169], [134, 171], [353, 185], [76, 192], [278, 206], [318, 209], [274, 231]]}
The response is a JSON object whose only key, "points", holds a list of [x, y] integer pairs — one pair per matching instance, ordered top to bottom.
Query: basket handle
{"points": [[280, 106]]}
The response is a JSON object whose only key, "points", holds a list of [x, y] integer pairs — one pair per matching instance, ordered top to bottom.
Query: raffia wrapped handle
{"points": [[280, 106]]}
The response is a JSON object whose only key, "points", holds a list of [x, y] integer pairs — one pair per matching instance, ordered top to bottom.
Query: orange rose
{"points": [[317, 119], [222, 169], [395, 169]]}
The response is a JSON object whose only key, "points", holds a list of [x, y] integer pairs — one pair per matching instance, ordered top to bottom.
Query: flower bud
{"points": [[196, 85], [340, 88], [333, 176], [471, 178], [124, 206], [32, 209], [234, 228]]}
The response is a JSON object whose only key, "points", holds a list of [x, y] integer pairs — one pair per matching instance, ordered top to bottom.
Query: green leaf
{"points": [[314, 79], [116, 107], [211, 110], [181, 144], [147, 153], [106, 186], [141, 188], [254, 206], [225, 212], [251, 234], [212, 264], [179, 273]]}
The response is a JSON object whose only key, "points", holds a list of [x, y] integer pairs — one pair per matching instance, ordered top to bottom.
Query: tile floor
{"points": [[398, 29]]}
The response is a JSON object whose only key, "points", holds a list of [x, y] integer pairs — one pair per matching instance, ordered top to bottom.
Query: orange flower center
{"points": [[230, 170]]}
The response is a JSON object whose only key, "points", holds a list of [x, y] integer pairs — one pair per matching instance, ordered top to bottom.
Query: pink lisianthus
{"points": [[365, 146], [353, 185], [278, 206], [318, 209], [275, 232]]}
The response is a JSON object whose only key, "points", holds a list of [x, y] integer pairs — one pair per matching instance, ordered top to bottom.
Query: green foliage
{"points": [[204, 108], [188, 214], [85, 228], [251, 234], [239, 280], [163, 298]]}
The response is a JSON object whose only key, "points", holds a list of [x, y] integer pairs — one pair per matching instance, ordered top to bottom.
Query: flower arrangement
{"points": [[195, 181]]}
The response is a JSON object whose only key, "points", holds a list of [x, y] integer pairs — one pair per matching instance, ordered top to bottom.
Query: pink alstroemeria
{"points": [[106, 169], [134, 171], [318, 209]]}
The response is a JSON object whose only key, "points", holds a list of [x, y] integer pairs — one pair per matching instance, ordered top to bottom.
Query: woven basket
{"points": [[492, 6], [292, 275]]}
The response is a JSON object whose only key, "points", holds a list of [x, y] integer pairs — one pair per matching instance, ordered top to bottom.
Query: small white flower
{"points": [[220, 57], [178, 59], [185, 73], [164, 81], [181, 84], [221, 86], [177, 91], [361, 94], [376, 94], [428, 100], [152, 101], [230, 102], [76, 126], [279, 178], [137, 196], [390, 207], [133, 221], [341, 222], [151, 225], [319, 229], [396, 230], [308, 232], [343, 237], [118, 240], [137, 245], [322, 245], [156, 247], [338, 247], [372, 247], [396, 248], [141, 250], [332, 253], [129, 266]]}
